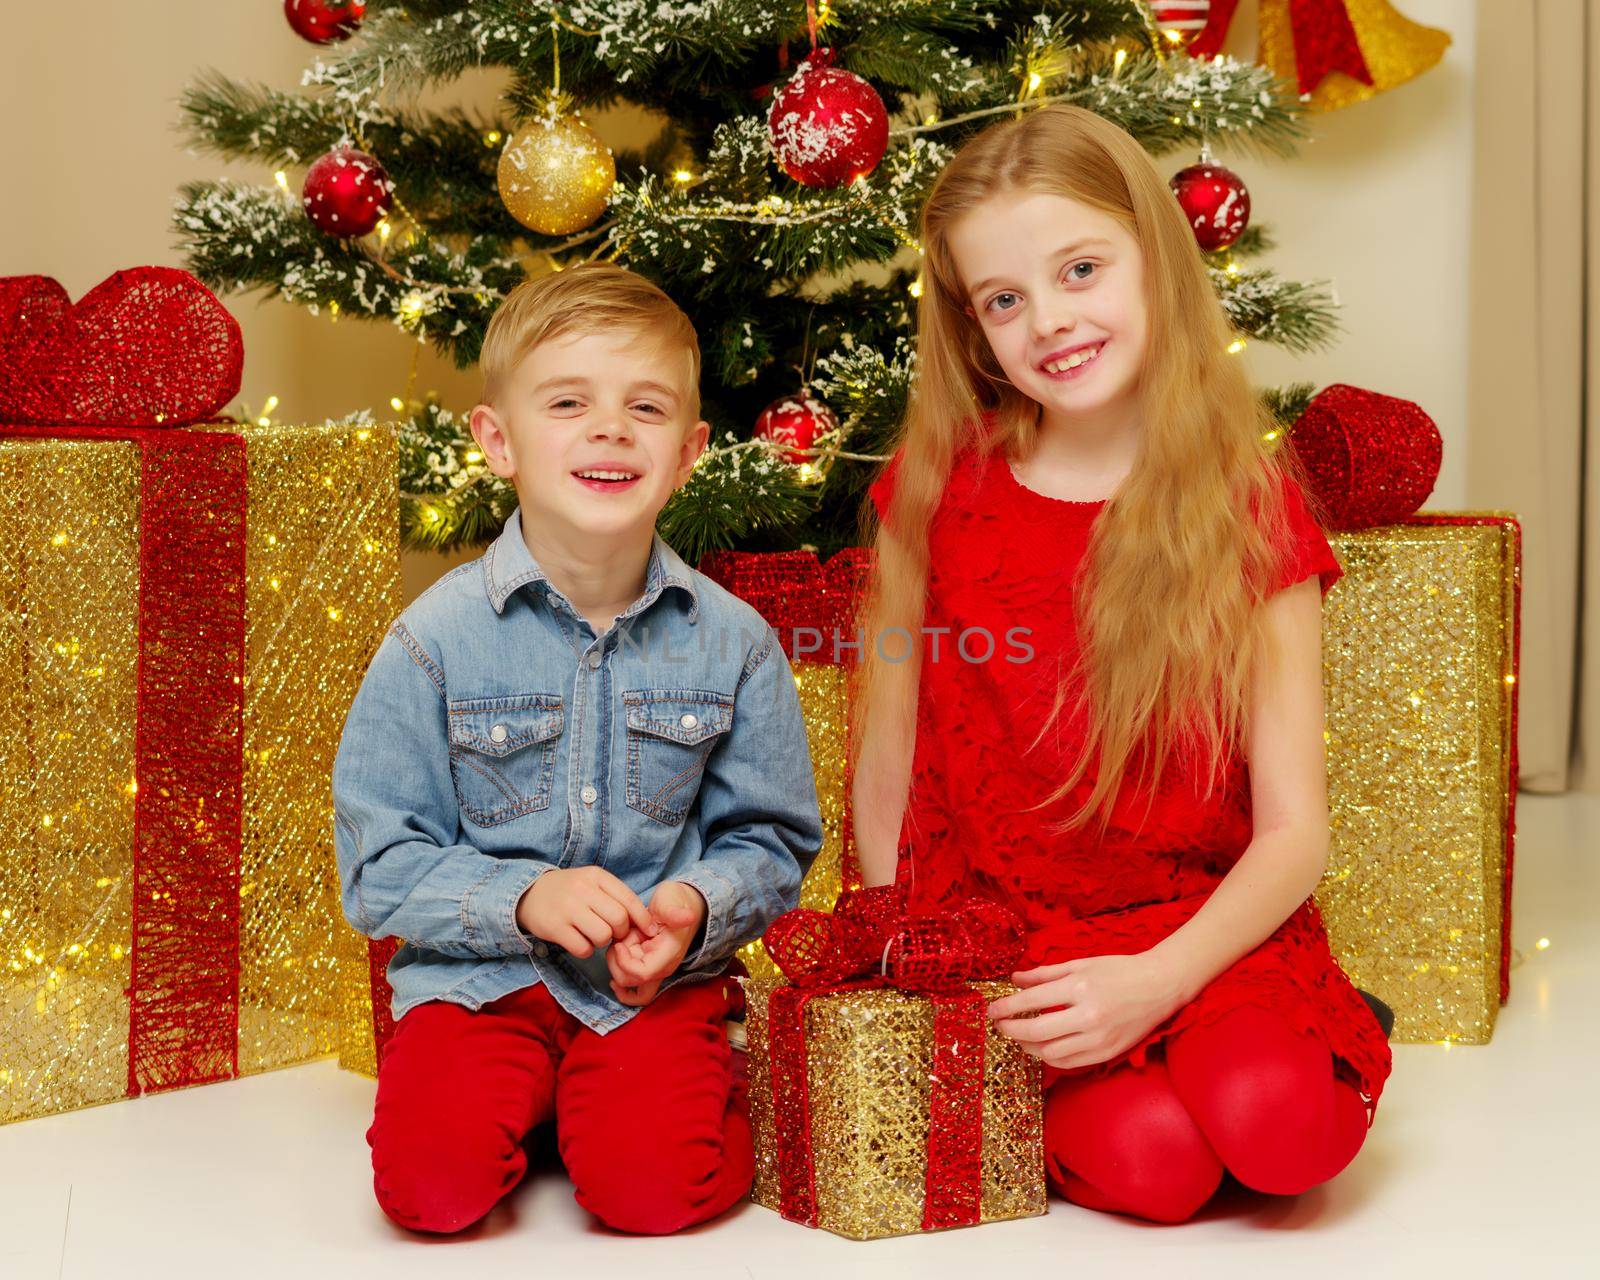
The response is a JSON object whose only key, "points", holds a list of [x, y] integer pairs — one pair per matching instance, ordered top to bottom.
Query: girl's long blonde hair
{"points": [[1169, 622]]}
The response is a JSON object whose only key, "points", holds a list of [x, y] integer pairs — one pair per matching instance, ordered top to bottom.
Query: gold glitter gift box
{"points": [[1420, 659], [148, 945], [868, 1164]]}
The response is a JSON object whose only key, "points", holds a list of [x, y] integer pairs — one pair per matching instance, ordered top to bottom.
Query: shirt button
{"points": [[594, 658], [688, 720], [498, 733], [589, 795], [540, 950]]}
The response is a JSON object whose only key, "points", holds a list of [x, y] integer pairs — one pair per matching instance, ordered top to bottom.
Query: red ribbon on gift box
{"points": [[148, 350], [811, 604], [869, 941]]}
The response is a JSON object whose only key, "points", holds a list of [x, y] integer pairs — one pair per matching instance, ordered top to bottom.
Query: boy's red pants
{"points": [[652, 1119]]}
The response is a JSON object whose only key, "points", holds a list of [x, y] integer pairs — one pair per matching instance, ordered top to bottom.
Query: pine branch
{"points": [[237, 238], [755, 259], [1261, 305], [1287, 403]]}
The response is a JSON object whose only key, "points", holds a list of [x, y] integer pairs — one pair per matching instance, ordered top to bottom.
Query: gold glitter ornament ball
{"points": [[556, 175]]}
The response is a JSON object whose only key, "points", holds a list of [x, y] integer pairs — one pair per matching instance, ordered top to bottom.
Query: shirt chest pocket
{"points": [[670, 734], [503, 754]]}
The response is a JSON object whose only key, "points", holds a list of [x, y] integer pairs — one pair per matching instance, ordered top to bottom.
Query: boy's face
{"points": [[585, 402]]}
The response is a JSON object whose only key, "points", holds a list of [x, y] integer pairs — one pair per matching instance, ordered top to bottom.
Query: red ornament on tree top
{"points": [[325, 21], [828, 126]]}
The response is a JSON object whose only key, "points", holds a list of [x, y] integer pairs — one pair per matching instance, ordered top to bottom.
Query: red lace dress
{"points": [[1004, 556]]}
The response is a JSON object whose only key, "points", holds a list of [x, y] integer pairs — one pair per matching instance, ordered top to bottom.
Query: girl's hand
{"points": [[1101, 1005]]}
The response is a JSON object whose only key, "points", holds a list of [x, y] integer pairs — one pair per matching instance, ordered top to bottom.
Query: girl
{"points": [[1098, 656]]}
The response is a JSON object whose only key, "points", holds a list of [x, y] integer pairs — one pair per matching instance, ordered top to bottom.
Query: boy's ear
{"points": [[493, 440], [694, 444]]}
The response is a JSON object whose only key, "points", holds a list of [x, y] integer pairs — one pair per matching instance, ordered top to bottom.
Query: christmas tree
{"points": [[777, 204]]}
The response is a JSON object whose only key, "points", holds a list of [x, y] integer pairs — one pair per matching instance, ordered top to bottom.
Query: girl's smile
{"points": [[1073, 362]]}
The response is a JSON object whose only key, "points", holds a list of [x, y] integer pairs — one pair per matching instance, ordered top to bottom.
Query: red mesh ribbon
{"points": [[1324, 39], [149, 346], [132, 354], [1371, 459], [807, 602], [870, 941], [379, 952]]}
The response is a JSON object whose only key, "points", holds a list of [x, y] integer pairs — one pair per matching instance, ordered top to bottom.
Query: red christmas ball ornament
{"points": [[325, 21], [1181, 21], [828, 126], [346, 193], [1215, 201], [795, 421]]}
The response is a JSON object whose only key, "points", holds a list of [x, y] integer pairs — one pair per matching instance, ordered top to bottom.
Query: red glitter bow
{"points": [[146, 347], [870, 933], [871, 940]]}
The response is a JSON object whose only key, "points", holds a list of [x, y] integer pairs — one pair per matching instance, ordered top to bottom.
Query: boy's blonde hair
{"points": [[593, 297]]}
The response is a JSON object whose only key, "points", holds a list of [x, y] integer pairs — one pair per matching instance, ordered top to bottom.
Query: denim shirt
{"points": [[495, 737]]}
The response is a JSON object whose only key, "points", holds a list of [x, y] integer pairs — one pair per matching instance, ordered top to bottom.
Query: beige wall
{"points": [[92, 161], [1380, 204]]}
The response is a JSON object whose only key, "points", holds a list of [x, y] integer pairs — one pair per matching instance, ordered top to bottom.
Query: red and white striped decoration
{"points": [[1181, 21]]}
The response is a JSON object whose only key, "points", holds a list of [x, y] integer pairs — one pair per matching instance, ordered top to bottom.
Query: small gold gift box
{"points": [[870, 1075]]}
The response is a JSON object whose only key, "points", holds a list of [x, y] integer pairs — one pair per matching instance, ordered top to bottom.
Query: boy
{"points": [[575, 779]]}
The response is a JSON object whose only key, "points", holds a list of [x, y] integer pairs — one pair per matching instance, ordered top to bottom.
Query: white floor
{"points": [[1482, 1163]]}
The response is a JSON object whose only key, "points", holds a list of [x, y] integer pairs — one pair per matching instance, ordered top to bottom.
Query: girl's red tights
{"points": [[1245, 1093]]}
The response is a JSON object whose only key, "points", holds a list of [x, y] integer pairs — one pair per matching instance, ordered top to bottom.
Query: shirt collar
{"points": [[508, 564]]}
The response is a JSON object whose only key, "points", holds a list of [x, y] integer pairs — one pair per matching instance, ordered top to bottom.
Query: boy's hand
{"points": [[582, 909], [641, 961]]}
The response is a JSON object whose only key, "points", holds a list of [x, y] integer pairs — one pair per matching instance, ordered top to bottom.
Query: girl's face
{"points": [[1058, 290]]}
